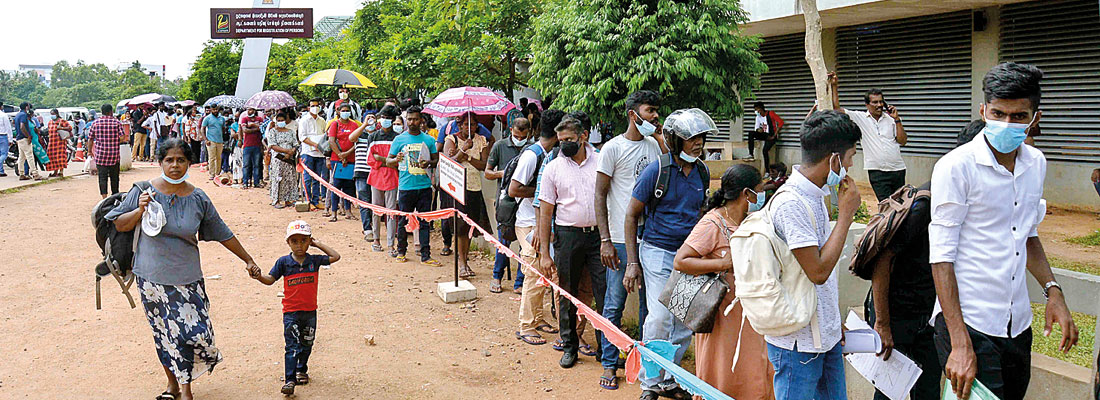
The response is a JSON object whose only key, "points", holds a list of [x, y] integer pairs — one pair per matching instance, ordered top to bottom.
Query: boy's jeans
{"points": [[314, 191], [363, 192], [502, 261], [614, 301], [660, 324], [299, 330], [808, 375]]}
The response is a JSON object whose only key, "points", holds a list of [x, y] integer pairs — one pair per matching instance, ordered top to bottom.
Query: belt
{"points": [[585, 229]]}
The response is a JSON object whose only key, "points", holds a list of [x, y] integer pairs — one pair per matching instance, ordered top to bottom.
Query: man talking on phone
{"points": [[883, 136]]}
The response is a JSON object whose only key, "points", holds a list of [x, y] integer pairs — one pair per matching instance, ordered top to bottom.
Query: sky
{"points": [[169, 33]]}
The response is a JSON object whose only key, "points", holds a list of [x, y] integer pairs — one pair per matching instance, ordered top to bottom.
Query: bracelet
{"points": [[897, 120], [606, 240], [633, 263]]}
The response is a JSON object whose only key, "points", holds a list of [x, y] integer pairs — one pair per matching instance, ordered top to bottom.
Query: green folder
{"points": [[978, 391]]}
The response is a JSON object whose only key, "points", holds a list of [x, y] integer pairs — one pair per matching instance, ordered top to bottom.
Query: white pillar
{"points": [[250, 79]]}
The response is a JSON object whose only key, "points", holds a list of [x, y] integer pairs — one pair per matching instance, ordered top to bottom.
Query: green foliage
{"points": [[591, 54], [214, 72], [82, 85], [16, 88], [863, 214], [1091, 240], [1081, 354]]}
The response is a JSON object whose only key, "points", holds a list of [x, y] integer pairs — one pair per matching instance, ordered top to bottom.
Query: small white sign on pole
{"points": [[452, 178]]}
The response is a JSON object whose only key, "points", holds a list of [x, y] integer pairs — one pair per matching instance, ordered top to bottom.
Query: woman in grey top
{"points": [[167, 266]]}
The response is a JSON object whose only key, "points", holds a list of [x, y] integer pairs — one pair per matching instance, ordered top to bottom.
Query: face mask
{"points": [[344, 96], [315, 110], [345, 114], [53, 117], [386, 123], [281, 124], [370, 127], [399, 128], [646, 128], [1005, 136], [518, 142], [570, 149], [688, 157], [834, 178], [175, 181], [760, 198], [153, 219]]}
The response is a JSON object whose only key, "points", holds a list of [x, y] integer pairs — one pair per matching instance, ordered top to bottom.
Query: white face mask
{"points": [[344, 95], [314, 110], [518, 142]]}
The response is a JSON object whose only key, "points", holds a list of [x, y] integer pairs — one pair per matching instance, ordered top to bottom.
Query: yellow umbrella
{"points": [[338, 77]]}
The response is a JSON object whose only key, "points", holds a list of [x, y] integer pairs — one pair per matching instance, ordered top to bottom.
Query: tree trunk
{"points": [[814, 55], [509, 88]]}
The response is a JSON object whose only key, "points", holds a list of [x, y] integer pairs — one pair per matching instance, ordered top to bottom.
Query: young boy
{"points": [[299, 270]]}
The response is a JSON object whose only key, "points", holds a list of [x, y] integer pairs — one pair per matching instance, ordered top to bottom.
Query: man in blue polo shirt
{"points": [[411, 153], [670, 213]]}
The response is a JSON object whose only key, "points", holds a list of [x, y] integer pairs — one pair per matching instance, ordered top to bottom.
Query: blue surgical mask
{"points": [[345, 114], [53, 117], [386, 123], [281, 124], [370, 127], [399, 128], [646, 128], [1005, 136], [688, 157], [835, 178], [175, 181], [760, 199]]}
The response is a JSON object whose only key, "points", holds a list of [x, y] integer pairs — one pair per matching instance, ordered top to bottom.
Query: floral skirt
{"points": [[182, 331]]}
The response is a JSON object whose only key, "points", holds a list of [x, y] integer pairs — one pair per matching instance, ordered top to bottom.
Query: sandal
{"points": [[326, 214], [333, 218], [376, 247], [446, 251], [393, 252], [401, 258], [431, 262], [466, 272], [495, 287], [518, 290], [546, 328], [532, 339], [558, 345], [587, 350], [302, 378], [609, 382], [288, 388], [678, 393], [166, 396]]}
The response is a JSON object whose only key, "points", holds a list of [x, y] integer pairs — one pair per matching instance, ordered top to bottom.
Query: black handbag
{"points": [[695, 299]]}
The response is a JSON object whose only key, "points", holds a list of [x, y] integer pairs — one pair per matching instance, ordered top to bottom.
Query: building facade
{"points": [[929, 58]]}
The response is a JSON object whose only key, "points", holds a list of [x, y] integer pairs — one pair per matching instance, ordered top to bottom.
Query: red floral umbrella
{"points": [[478, 100]]}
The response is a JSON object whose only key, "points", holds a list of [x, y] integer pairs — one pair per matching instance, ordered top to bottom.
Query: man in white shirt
{"points": [[311, 129], [883, 136], [5, 139], [622, 159], [986, 209], [809, 364]]}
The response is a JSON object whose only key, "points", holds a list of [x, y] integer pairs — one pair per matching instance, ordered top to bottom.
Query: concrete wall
{"points": [[762, 10]]}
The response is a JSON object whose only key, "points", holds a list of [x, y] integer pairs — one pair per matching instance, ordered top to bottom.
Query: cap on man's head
{"points": [[298, 227]]}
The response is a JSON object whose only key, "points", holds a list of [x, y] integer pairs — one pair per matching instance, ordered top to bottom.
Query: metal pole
{"points": [[454, 228]]}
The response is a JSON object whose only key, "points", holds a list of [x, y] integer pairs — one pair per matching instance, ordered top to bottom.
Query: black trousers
{"points": [[768, 145], [106, 172], [885, 183], [414, 200], [576, 253], [914, 338], [1004, 364]]}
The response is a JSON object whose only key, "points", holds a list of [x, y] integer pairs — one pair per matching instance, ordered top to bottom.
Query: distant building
{"points": [[331, 27], [151, 69], [44, 71]]}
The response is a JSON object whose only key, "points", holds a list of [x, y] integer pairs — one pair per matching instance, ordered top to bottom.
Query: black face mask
{"points": [[570, 149]]}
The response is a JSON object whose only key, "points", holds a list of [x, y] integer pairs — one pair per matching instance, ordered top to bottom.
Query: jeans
{"points": [[768, 145], [4, 148], [226, 166], [253, 166], [106, 172], [1097, 184], [345, 185], [314, 190], [363, 192], [408, 201], [577, 253], [501, 262], [615, 301], [660, 324], [299, 330], [800, 375]]}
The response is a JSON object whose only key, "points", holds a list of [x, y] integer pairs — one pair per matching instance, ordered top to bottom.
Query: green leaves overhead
{"points": [[590, 54]]}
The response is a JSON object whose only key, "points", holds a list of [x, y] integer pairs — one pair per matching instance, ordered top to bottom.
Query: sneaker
{"points": [[3, 174], [24, 178], [288, 387]]}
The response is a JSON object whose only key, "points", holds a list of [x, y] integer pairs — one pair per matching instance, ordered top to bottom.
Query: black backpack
{"points": [[507, 206], [117, 247]]}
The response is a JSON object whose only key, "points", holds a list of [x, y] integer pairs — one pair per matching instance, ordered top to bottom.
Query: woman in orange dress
{"points": [[56, 150], [706, 250]]}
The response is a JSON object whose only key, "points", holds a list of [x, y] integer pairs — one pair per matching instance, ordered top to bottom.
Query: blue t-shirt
{"points": [[20, 123], [214, 125], [450, 129], [411, 177], [676, 212]]}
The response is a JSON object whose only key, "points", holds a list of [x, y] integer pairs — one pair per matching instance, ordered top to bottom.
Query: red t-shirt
{"points": [[342, 131], [252, 139], [381, 177], [299, 281]]}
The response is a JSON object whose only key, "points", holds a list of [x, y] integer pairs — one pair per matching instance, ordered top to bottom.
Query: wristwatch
{"points": [[1048, 285]]}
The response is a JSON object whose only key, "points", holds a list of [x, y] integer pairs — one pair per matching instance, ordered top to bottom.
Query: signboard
{"points": [[238, 23], [452, 178]]}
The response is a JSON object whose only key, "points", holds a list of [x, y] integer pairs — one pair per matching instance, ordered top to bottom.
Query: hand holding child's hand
{"points": [[253, 271]]}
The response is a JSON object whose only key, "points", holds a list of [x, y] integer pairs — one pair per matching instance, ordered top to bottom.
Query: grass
{"points": [[28, 186], [1091, 240], [1086, 268], [1081, 354]]}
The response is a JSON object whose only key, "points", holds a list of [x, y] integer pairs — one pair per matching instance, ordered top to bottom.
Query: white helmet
{"points": [[689, 123]]}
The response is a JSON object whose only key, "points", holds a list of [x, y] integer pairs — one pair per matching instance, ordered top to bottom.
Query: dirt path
{"points": [[56, 345]]}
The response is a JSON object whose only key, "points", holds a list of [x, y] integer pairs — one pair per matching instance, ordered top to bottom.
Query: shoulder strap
{"points": [[704, 174], [143, 185], [661, 187], [806, 204]]}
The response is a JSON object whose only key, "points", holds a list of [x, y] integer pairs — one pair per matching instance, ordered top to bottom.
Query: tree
{"points": [[591, 54], [814, 55], [215, 71], [16, 88]]}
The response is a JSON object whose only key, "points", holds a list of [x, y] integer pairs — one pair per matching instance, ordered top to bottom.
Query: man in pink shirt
{"points": [[569, 188]]}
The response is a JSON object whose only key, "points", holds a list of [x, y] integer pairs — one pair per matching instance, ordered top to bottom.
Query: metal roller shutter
{"points": [[1063, 39], [923, 67], [787, 88]]}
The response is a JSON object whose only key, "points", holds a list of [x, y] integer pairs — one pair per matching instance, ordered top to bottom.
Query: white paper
{"points": [[895, 378]]}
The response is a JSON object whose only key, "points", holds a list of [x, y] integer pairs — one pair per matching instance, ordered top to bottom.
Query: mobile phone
{"points": [[885, 106]]}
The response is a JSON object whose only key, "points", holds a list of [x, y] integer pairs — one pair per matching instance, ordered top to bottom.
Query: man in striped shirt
{"points": [[106, 135], [361, 137]]}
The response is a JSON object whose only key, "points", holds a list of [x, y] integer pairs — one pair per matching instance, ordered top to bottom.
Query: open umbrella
{"points": [[338, 77], [150, 98], [225, 100], [270, 100], [478, 100], [185, 103], [122, 104]]}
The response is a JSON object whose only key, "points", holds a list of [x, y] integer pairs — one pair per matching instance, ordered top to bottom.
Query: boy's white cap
{"points": [[298, 227]]}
